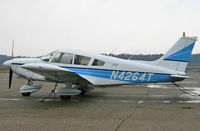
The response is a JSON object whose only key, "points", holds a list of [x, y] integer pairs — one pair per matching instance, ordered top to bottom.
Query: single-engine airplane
{"points": [[82, 71]]}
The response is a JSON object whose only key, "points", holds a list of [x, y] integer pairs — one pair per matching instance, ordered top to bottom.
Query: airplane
{"points": [[83, 71]]}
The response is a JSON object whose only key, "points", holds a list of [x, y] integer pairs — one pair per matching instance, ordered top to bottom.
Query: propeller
{"points": [[10, 71], [10, 77]]}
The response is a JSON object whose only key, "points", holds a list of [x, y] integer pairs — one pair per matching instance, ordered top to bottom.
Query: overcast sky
{"points": [[100, 26]]}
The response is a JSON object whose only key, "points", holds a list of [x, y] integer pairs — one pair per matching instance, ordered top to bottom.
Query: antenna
{"points": [[183, 34], [12, 48], [135, 52], [130, 57]]}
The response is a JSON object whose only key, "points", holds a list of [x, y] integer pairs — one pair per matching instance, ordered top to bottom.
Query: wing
{"points": [[56, 74]]}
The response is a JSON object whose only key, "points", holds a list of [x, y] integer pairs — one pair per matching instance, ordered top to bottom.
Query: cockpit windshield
{"points": [[48, 56]]}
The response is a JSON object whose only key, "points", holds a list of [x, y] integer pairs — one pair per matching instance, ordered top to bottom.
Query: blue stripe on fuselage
{"points": [[126, 76]]}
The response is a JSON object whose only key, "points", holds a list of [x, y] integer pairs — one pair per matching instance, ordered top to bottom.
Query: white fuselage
{"points": [[113, 71]]}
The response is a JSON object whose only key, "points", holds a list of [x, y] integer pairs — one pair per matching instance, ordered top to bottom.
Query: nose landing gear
{"points": [[29, 88]]}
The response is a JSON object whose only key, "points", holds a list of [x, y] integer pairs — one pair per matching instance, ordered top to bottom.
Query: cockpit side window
{"points": [[65, 58], [81, 60], [98, 62]]}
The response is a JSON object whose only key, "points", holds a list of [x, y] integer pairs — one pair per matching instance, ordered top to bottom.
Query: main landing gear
{"points": [[26, 94]]}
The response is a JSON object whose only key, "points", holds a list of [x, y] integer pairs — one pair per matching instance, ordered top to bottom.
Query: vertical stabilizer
{"points": [[178, 55]]}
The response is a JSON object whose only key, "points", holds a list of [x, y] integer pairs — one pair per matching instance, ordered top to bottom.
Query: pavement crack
{"points": [[122, 121]]}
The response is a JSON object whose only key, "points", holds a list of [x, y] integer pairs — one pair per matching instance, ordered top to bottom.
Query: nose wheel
{"points": [[29, 88]]}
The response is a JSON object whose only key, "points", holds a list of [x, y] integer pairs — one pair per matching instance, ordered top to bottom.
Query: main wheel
{"points": [[83, 92], [26, 94], [65, 97]]}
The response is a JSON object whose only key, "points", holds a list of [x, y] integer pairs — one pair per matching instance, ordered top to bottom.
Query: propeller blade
{"points": [[11, 72], [10, 77]]}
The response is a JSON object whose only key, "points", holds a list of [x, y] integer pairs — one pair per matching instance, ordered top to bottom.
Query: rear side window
{"points": [[81, 60], [97, 62]]}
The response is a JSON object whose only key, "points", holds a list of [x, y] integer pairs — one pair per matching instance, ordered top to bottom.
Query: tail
{"points": [[178, 56]]}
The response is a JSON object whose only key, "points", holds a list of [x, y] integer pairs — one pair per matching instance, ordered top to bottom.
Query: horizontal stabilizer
{"points": [[180, 76]]}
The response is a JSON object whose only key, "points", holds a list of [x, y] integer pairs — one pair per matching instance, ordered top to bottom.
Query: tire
{"points": [[83, 92], [26, 94], [65, 97]]}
